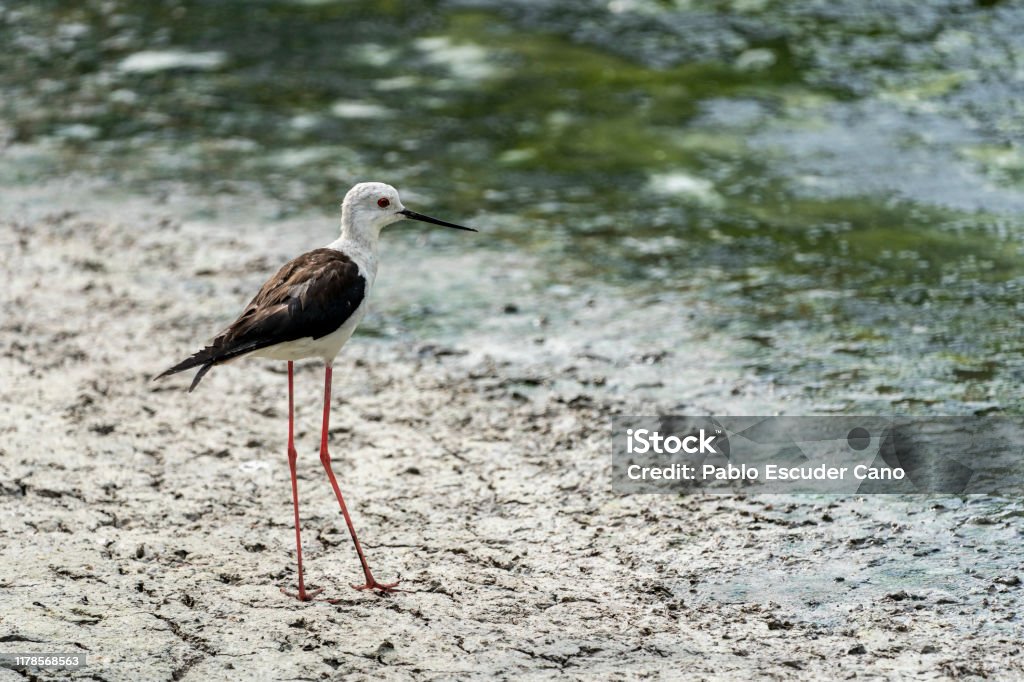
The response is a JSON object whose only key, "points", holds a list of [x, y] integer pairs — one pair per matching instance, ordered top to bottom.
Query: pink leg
{"points": [[292, 456], [325, 459]]}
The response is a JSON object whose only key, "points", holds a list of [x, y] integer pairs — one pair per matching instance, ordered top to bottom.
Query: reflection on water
{"points": [[835, 191]]}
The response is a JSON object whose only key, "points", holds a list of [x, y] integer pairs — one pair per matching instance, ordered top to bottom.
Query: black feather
{"points": [[311, 296]]}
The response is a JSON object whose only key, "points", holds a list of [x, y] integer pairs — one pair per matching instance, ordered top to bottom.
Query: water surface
{"points": [[827, 195]]}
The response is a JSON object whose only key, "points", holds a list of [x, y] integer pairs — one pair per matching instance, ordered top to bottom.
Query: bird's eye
{"points": [[383, 202]]}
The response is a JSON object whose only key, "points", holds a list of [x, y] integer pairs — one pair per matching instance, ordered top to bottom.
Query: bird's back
{"points": [[310, 298]]}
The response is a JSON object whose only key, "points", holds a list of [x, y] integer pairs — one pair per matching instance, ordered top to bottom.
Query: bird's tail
{"points": [[204, 359]]}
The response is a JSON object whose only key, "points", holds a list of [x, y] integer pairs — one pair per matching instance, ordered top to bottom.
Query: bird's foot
{"points": [[383, 588], [302, 594]]}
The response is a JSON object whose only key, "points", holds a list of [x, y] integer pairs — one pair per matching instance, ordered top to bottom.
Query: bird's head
{"points": [[369, 207]]}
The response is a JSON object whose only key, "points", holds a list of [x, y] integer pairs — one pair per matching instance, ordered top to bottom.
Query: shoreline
{"points": [[151, 529]]}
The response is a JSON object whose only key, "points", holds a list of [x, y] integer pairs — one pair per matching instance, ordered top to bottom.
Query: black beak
{"points": [[427, 219]]}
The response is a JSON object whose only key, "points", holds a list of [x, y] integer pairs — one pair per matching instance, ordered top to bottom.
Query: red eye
{"points": [[383, 202]]}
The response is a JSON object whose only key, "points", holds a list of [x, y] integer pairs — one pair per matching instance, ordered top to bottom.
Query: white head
{"points": [[369, 207]]}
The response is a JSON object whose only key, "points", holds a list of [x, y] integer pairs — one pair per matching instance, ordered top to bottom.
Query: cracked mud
{"points": [[152, 530]]}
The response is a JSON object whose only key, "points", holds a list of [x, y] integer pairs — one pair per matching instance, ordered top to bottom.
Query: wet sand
{"points": [[151, 529]]}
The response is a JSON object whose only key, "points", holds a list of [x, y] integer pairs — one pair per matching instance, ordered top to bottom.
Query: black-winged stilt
{"points": [[309, 309]]}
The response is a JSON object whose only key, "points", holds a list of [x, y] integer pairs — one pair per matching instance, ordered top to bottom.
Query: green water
{"points": [[837, 191]]}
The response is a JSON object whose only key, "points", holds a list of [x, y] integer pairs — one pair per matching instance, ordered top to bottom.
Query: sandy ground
{"points": [[151, 529]]}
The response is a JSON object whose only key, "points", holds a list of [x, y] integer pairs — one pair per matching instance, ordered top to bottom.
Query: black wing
{"points": [[311, 296]]}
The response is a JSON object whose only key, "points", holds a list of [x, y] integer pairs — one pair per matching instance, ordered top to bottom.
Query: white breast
{"points": [[328, 347]]}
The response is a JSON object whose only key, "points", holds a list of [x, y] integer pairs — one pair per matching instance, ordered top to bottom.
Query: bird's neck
{"points": [[358, 227], [360, 246]]}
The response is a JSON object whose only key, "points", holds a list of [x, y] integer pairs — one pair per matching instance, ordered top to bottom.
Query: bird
{"points": [[309, 309]]}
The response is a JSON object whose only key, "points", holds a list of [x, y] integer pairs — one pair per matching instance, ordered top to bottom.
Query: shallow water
{"points": [[828, 195]]}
